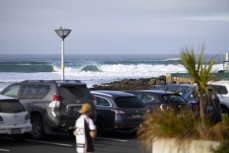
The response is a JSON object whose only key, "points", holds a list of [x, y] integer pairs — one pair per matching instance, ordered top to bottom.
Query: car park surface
{"points": [[222, 89], [158, 99], [53, 105], [118, 110], [14, 119], [59, 143]]}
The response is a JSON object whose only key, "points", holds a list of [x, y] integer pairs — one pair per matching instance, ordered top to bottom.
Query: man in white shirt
{"points": [[85, 130]]}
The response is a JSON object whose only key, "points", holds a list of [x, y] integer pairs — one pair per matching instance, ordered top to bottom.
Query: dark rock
{"points": [[132, 84]]}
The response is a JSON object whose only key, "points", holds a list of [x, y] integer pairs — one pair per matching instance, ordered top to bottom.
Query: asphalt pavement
{"points": [[62, 143]]}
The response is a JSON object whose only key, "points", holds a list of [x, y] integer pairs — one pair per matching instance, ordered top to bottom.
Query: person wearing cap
{"points": [[85, 123]]}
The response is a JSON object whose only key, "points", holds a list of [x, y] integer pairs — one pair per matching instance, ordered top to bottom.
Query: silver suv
{"points": [[53, 105]]}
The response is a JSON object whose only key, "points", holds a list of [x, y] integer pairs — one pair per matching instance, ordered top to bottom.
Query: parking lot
{"points": [[62, 143]]}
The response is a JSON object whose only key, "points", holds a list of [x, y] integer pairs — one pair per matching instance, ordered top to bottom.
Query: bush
{"points": [[167, 124], [182, 126]]}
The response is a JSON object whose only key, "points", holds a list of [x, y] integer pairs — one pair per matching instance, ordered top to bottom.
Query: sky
{"points": [[114, 26]]}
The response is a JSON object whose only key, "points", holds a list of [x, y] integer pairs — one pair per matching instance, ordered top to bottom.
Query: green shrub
{"points": [[167, 124]]}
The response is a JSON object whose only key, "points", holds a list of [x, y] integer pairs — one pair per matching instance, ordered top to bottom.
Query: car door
{"points": [[105, 117]]}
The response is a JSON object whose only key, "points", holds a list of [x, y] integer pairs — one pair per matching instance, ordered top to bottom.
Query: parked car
{"points": [[222, 90], [188, 91], [158, 99], [53, 105], [118, 110], [14, 119]]}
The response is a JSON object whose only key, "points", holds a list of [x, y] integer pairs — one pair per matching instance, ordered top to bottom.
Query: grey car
{"points": [[53, 105], [118, 110]]}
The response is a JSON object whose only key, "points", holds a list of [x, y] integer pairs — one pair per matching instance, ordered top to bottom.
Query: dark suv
{"points": [[188, 91], [53, 105], [118, 111]]}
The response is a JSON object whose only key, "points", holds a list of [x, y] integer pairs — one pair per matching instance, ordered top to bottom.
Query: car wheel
{"points": [[37, 128]]}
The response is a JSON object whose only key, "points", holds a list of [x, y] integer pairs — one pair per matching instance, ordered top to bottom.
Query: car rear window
{"points": [[72, 92], [172, 98], [129, 102], [11, 106]]}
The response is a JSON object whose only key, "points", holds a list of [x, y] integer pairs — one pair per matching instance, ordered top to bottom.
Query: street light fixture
{"points": [[62, 33]]}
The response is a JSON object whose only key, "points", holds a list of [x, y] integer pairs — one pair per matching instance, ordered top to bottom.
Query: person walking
{"points": [[85, 130]]}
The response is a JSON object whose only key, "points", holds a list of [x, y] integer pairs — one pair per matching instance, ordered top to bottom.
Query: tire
{"points": [[37, 128]]}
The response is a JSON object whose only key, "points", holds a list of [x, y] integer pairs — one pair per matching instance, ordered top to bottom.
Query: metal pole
{"points": [[62, 60]]}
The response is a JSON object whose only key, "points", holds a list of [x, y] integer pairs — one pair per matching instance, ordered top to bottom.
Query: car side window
{"points": [[11, 91], [42, 91], [28, 92], [102, 102]]}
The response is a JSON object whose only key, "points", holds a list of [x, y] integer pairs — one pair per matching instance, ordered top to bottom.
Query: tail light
{"points": [[56, 98], [93, 99], [195, 107], [118, 111], [27, 117]]}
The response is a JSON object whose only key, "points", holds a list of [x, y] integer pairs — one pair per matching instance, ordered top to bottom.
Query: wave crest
{"points": [[92, 68]]}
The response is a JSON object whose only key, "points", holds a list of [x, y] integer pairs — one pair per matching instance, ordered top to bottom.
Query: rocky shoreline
{"points": [[132, 84]]}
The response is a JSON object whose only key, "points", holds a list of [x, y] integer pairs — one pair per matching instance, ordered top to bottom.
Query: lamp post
{"points": [[62, 33]]}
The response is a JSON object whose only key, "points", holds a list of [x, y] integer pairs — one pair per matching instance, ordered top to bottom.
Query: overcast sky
{"points": [[114, 26]]}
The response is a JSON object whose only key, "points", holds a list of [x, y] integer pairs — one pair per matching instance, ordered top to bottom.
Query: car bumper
{"points": [[127, 125], [15, 130]]}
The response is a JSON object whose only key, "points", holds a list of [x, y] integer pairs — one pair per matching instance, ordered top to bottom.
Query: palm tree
{"points": [[200, 72]]}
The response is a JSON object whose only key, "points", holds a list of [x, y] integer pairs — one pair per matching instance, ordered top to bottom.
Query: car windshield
{"points": [[171, 98], [129, 102], [11, 106]]}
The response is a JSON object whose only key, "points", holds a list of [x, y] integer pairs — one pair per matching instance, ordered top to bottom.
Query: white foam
{"points": [[109, 73]]}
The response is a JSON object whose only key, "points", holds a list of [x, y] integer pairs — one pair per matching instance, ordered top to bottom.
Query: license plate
{"points": [[209, 108], [136, 116], [15, 131]]}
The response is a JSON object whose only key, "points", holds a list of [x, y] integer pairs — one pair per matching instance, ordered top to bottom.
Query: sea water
{"points": [[92, 68]]}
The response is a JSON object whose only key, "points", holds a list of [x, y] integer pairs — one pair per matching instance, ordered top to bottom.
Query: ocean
{"points": [[92, 69]]}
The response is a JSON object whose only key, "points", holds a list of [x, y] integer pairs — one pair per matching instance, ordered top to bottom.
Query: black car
{"points": [[156, 99], [118, 110], [212, 110]]}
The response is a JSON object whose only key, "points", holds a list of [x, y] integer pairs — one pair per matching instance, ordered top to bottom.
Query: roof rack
{"points": [[39, 81]]}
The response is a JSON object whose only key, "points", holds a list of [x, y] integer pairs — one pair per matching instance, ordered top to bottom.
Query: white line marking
{"points": [[111, 139], [52, 143], [5, 150]]}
